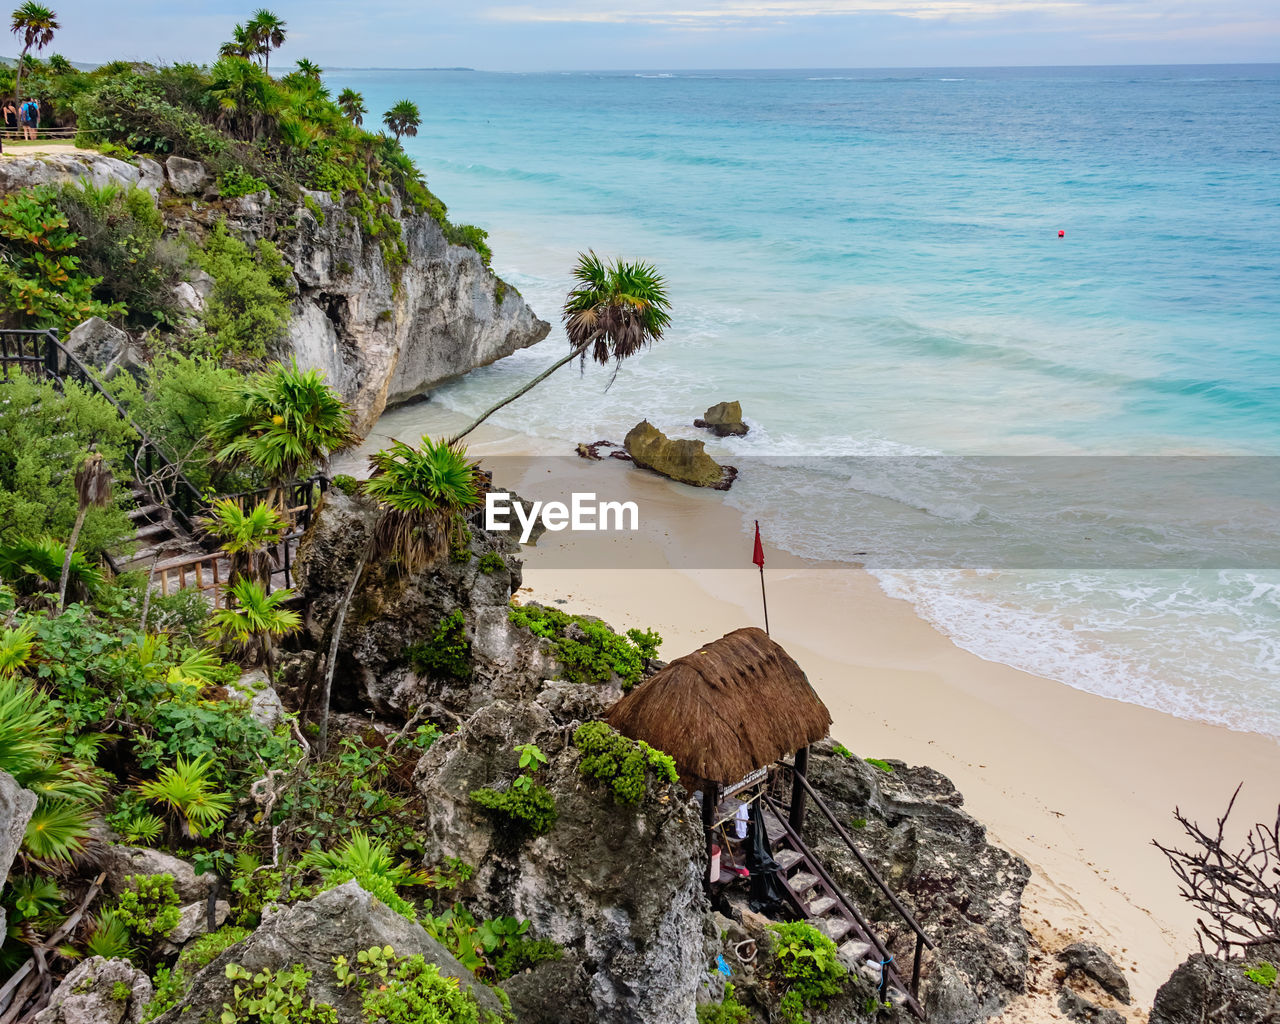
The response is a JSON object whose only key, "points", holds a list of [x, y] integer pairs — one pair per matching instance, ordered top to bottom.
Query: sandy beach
{"points": [[1075, 784]]}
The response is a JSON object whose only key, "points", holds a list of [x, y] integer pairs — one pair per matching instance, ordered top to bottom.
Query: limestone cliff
{"points": [[383, 337]]}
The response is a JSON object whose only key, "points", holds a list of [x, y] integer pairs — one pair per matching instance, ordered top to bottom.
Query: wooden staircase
{"points": [[815, 897]]}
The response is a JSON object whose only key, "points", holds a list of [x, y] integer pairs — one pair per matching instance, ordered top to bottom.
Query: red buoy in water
{"points": [[1062, 234]]}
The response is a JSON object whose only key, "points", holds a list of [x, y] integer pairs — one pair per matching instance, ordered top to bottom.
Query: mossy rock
{"points": [[679, 459]]}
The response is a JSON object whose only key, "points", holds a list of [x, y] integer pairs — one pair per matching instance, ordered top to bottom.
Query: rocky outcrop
{"points": [[23, 172], [186, 177], [385, 338], [103, 348], [724, 419], [681, 460], [390, 612], [16, 806], [119, 862], [619, 887], [965, 892], [341, 922], [1093, 962], [99, 991], [1208, 991]]}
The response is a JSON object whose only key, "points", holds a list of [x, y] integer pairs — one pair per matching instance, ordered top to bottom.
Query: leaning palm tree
{"points": [[35, 25], [267, 33], [352, 105], [403, 119], [614, 311], [286, 421], [93, 490], [422, 494], [248, 537], [254, 620]]}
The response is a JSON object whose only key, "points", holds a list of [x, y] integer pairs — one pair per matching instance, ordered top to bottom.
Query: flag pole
{"points": [[758, 558]]}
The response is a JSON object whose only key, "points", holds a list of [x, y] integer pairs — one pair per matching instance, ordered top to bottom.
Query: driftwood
{"points": [[1236, 892]]}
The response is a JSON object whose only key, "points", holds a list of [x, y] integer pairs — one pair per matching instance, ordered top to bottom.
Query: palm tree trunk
{"points": [[17, 83], [511, 398], [66, 561], [340, 619]]}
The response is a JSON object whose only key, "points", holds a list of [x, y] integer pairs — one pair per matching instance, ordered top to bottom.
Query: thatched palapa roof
{"points": [[723, 711]]}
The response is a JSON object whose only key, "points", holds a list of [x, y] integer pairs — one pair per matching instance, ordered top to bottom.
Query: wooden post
{"points": [[710, 799], [796, 816]]}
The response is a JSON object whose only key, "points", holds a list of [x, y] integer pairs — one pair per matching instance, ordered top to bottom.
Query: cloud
{"points": [[740, 12]]}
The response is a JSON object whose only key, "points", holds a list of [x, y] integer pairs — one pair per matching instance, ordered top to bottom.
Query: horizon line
{"points": [[816, 67]]}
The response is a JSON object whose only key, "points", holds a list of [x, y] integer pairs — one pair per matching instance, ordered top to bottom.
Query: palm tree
{"points": [[35, 24], [266, 31], [241, 44], [59, 64], [309, 70], [242, 93], [352, 105], [403, 119], [614, 311], [286, 421], [93, 490], [422, 493], [249, 538], [255, 619]]}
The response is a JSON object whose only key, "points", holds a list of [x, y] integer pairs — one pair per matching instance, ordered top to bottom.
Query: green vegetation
{"points": [[35, 25], [403, 119], [235, 182], [121, 246], [41, 281], [248, 311], [48, 433], [246, 536], [491, 562], [254, 621], [589, 650], [446, 653], [843, 751], [626, 766], [884, 766], [186, 790], [527, 808], [370, 863], [149, 907], [806, 968], [1263, 974], [172, 983], [405, 990], [273, 997], [727, 1011]]}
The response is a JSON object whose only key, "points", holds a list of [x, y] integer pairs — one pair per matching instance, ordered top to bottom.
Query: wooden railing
{"points": [[40, 354]]}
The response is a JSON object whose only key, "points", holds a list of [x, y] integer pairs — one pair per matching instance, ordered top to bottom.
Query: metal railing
{"points": [[922, 939]]}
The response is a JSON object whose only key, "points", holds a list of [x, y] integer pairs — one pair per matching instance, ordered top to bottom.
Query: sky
{"points": [[563, 35]]}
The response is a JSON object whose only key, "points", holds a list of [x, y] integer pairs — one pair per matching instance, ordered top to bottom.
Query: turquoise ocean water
{"points": [[869, 261]]}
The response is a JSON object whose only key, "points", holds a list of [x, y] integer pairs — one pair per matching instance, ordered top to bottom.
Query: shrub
{"points": [[133, 111], [235, 182], [472, 237], [121, 245], [41, 281], [249, 309], [177, 402], [348, 485], [492, 562], [590, 651], [447, 653], [625, 765], [527, 812], [372, 866], [149, 906], [520, 954], [805, 964], [171, 984], [405, 990], [273, 997], [727, 1011]]}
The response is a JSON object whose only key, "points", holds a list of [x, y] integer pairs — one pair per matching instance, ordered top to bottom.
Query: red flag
{"points": [[757, 555]]}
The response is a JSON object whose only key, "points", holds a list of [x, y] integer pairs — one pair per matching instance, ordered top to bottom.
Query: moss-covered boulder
{"points": [[679, 459]]}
